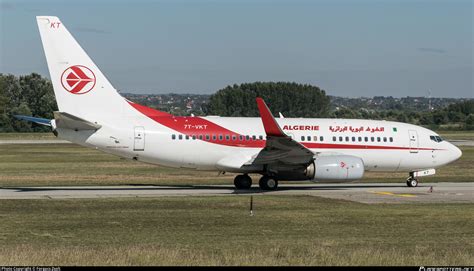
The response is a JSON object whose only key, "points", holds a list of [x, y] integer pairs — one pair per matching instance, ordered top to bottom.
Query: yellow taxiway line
{"points": [[392, 194]]}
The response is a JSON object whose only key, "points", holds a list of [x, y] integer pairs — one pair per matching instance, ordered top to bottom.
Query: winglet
{"points": [[269, 123]]}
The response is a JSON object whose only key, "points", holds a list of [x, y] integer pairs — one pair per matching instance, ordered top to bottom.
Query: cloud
{"points": [[91, 30], [432, 50]]}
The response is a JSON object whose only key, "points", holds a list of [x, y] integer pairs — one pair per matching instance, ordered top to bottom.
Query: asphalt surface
{"points": [[365, 193]]}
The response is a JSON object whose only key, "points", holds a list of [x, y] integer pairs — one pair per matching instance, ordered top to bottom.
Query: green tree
{"points": [[25, 95], [291, 99]]}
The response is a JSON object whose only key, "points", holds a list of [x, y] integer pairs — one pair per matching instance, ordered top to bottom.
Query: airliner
{"points": [[92, 113]]}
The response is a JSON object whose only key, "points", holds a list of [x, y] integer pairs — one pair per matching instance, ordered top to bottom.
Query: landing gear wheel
{"points": [[243, 181], [412, 182], [268, 183]]}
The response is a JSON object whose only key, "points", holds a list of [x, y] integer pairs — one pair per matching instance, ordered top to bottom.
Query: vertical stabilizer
{"points": [[79, 86]]}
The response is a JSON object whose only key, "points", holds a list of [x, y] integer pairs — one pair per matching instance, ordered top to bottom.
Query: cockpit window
{"points": [[436, 138]]}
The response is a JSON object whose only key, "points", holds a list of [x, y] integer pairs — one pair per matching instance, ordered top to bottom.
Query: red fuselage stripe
{"points": [[196, 126]]}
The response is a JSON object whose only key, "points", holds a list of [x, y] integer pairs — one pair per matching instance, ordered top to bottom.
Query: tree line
{"points": [[30, 95], [33, 95]]}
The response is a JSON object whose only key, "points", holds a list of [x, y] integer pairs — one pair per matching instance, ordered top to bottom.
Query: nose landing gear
{"points": [[412, 182]]}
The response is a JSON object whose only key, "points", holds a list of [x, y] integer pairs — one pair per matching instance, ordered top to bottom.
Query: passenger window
{"points": [[173, 136], [180, 137], [187, 137], [194, 137], [200, 137], [208, 137], [214, 137], [220, 137], [227, 137], [234, 137], [241, 137], [247, 137], [254, 137], [260, 137], [302, 138], [309, 138], [315, 138], [321, 138], [334, 138], [340, 138], [347, 138], [353, 139], [360, 139], [366, 139], [372, 139], [378, 139], [384, 139], [391, 139]]}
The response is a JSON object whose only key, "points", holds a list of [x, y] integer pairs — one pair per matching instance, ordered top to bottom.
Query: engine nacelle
{"points": [[330, 167], [338, 167]]}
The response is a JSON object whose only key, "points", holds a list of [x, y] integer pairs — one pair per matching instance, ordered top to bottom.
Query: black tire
{"points": [[242, 182], [412, 182], [268, 183]]}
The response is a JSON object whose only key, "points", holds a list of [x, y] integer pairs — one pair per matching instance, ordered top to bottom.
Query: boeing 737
{"points": [[92, 113]]}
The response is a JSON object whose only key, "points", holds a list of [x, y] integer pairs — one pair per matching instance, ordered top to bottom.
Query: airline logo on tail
{"points": [[78, 79]]}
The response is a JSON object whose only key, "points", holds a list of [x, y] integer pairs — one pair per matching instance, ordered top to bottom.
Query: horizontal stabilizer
{"points": [[41, 121], [67, 121]]}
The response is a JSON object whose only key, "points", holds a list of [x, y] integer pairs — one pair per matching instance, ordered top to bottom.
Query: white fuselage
{"points": [[382, 145]]}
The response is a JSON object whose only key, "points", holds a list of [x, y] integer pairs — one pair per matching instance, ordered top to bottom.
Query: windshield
{"points": [[436, 138]]}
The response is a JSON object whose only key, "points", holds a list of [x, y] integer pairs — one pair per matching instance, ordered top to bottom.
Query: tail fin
{"points": [[79, 86]]}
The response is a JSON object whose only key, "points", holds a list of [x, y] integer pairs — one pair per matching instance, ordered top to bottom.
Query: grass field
{"points": [[457, 135], [27, 136], [68, 164], [285, 230]]}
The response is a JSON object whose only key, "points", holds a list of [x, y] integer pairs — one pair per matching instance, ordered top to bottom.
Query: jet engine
{"points": [[327, 167], [337, 167]]}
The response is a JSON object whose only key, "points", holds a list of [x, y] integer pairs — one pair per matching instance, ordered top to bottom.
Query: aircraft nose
{"points": [[455, 152]]}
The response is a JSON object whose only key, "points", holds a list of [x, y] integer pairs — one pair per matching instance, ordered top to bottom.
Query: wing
{"points": [[279, 148], [280, 151]]}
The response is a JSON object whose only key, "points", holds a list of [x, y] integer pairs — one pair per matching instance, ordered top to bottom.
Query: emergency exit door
{"points": [[139, 139], [413, 141]]}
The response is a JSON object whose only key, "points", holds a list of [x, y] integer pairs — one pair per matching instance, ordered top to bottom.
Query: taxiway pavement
{"points": [[359, 192]]}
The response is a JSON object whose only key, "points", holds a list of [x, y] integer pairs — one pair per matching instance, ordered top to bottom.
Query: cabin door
{"points": [[139, 139], [414, 143]]}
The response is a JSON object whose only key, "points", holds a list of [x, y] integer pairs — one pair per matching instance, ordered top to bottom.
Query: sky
{"points": [[346, 47]]}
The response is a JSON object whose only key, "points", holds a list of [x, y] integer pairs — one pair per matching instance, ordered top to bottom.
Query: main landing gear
{"points": [[245, 182], [412, 182], [268, 183]]}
